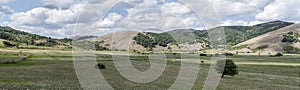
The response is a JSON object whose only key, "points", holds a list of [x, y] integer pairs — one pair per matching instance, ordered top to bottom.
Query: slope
{"points": [[282, 40]]}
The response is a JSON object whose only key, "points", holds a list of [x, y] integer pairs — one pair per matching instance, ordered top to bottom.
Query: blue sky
{"points": [[60, 18]]}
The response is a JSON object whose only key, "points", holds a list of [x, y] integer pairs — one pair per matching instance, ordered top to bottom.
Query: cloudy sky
{"points": [[59, 18]]}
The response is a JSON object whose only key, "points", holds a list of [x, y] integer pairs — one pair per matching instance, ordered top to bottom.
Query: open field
{"points": [[55, 70]]}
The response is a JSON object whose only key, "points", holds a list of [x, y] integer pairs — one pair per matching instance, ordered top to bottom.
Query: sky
{"points": [[66, 18]]}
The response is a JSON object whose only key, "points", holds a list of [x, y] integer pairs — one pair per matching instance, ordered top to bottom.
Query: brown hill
{"points": [[273, 41]]}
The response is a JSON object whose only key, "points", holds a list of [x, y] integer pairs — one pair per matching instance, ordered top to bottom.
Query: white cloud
{"points": [[6, 1], [175, 8], [227, 8], [6, 10], [281, 10], [164, 16], [33, 17], [111, 20], [59, 22], [229, 22]]}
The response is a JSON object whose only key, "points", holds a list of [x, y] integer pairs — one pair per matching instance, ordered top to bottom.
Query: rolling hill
{"points": [[15, 38], [189, 39], [175, 40], [283, 40]]}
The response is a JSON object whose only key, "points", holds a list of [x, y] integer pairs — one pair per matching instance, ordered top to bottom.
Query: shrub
{"points": [[290, 33], [288, 39], [9, 44], [262, 47], [289, 49], [202, 54], [228, 54], [278, 54], [202, 61], [100, 66], [229, 68]]}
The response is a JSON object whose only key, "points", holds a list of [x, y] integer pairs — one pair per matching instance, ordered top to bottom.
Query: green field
{"points": [[55, 70]]}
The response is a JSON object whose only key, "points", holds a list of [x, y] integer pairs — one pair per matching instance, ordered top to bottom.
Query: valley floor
{"points": [[50, 69]]}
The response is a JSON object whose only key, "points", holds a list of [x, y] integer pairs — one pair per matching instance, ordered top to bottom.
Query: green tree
{"points": [[289, 39], [289, 49], [226, 67]]}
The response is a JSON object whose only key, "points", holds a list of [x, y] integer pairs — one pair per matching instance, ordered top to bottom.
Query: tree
{"points": [[289, 39], [10, 44], [289, 49], [228, 69]]}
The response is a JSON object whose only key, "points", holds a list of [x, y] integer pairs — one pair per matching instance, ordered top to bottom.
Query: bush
{"points": [[288, 39], [9, 44], [262, 47], [289, 49], [174, 54], [202, 54], [228, 54], [278, 54], [100, 66], [230, 67]]}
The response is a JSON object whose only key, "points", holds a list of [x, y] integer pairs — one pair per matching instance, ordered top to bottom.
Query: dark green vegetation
{"points": [[234, 34], [291, 37], [149, 39], [24, 40], [100, 66], [226, 67], [55, 70]]}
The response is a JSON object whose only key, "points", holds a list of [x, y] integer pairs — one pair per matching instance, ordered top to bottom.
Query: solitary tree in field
{"points": [[229, 68]]}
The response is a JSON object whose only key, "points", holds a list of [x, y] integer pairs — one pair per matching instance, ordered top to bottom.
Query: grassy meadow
{"points": [[53, 69]]}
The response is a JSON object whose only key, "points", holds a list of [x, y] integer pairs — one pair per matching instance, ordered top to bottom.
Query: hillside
{"points": [[234, 35], [15, 38], [181, 39], [186, 39], [283, 40]]}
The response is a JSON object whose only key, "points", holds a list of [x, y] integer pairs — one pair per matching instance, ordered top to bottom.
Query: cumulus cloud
{"points": [[175, 8], [228, 8], [6, 10], [281, 10], [165, 16], [45, 17], [111, 20], [55, 21], [230, 22]]}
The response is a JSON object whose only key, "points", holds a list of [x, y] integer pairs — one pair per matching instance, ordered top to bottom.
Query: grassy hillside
{"points": [[234, 34], [15, 38], [285, 40]]}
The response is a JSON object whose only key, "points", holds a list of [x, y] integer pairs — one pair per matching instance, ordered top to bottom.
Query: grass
{"points": [[1, 44], [239, 47], [55, 71], [19, 82]]}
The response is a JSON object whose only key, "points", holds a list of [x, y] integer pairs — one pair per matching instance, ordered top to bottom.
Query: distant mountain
{"points": [[11, 37]]}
